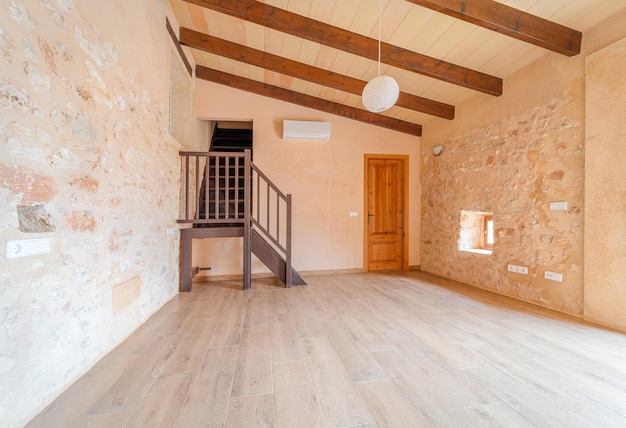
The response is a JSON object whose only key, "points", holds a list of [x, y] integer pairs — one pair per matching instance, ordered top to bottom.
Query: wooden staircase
{"points": [[223, 182], [226, 195], [274, 260]]}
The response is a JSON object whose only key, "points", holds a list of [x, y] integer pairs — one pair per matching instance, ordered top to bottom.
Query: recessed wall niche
{"points": [[476, 232]]}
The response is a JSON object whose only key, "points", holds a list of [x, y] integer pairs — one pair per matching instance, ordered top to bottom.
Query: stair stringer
{"points": [[271, 258]]}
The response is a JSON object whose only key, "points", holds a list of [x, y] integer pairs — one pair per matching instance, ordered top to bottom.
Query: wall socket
{"points": [[558, 206], [27, 247], [518, 269], [553, 276]]}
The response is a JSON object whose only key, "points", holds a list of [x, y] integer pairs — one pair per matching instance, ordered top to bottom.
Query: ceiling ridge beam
{"points": [[511, 22], [338, 38], [237, 52], [304, 100]]}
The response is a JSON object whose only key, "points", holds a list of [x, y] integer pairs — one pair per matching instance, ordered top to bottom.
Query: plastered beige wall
{"points": [[512, 156], [85, 157], [325, 178], [605, 186]]}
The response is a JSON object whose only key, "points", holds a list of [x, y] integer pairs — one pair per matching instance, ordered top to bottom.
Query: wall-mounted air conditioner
{"points": [[306, 130]]}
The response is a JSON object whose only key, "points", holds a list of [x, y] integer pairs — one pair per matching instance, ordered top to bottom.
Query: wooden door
{"points": [[385, 210]]}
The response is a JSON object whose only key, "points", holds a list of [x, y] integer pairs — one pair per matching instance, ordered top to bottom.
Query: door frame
{"points": [[405, 206]]}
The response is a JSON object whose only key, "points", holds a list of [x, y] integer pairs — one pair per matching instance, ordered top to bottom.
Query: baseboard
{"points": [[211, 278]]}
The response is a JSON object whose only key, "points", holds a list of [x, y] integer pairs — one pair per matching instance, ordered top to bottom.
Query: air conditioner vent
{"points": [[294, 130]]}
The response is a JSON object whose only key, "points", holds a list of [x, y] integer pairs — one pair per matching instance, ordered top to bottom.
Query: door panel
{"points": [[385, 209]]}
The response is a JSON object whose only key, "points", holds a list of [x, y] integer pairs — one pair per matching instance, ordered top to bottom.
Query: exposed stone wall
{"points": [[540, 142], [85, 160], [514, 168]]}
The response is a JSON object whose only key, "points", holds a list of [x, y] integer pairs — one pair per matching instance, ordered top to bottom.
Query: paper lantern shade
{"points": [[380, 94]]}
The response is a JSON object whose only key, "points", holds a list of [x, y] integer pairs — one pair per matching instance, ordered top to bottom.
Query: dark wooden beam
{"points": [[510, 22], [338, 38], [218, 46], [179, 48], [306, 100]]}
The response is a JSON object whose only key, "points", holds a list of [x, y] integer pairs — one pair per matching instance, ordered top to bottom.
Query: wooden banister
{"points": [[208, 202]]}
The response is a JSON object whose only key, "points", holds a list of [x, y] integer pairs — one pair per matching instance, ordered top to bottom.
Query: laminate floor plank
{"points": [[202, 292], [218, 301], [278, 302], [175, 304], [325, 308], [256, 312], [379, 312], [306, 320], [229, 326], [477, 327], [372, 339], [284, 341], [443, 341], [191, 347], [587, 349], [352, 350], [593, 361], [359, 363], [253, 374], [130, 389], [554, 389], [610, 396], [208, 398], [295, 398], [340, 400], [523, 400], [163, 402], [441, 402], [389, 405], [72, 407], [251, 412], [496, 415], [104, 420]]}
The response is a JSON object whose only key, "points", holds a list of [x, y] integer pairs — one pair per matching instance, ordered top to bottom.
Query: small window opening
{"points": [[487, 231], [476, 232]]}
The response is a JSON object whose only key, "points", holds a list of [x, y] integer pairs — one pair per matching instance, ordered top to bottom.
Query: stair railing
{"points": [[219, 202], [265, 206], [271, 215]]}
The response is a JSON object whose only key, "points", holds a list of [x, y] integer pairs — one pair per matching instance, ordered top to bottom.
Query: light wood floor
{"points": [[386, 350]]}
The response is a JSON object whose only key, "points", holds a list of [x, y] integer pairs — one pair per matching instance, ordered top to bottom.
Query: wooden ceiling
{"points": [[320, 53]]}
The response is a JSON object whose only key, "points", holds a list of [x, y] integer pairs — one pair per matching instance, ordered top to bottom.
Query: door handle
{"points": [[368, 217]]}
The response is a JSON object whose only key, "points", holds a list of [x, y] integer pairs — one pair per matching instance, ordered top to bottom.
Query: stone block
{"points": [[34, 219]]}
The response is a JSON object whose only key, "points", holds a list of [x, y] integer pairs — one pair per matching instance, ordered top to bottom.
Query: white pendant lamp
{"points": [[382, 92]]}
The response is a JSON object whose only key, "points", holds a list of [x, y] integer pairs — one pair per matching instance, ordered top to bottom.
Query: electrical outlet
{"points": [[558, 206], [27, 247], [518, 269], [553, 276]]}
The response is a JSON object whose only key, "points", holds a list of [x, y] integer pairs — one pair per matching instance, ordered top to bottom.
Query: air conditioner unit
{"points": [[306, 130]]}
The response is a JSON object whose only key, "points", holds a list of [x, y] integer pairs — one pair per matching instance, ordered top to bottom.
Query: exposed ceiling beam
{"points": [[510, 22], [338, 38], [218, 46], [179, 48], [306, 100]]}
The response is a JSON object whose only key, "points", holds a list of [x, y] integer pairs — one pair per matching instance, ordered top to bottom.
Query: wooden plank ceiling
{"points": [[320, 53]]}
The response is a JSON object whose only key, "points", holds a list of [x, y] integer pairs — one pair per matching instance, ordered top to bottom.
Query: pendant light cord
{"points": [[379, 13]]}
